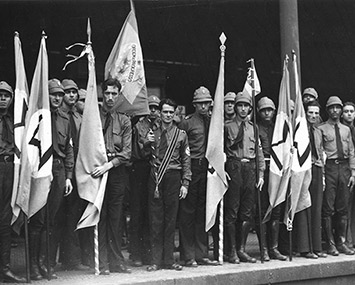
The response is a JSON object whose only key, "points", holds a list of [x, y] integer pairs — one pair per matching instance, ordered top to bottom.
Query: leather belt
{"points": [[338, 161]]}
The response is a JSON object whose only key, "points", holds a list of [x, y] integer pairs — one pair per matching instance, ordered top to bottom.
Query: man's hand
{"points": [[101, 170], [351, 183], [260, 184], [68, 187], [183, 192]]}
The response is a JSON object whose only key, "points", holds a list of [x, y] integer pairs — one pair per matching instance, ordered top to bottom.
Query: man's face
{"points": [[111, 95], [70, 97], [308, 98], [56, 99], [5, 100], [202, 108], [229, 108], [242, 110], [154, 112], [334, 112], [167, 113], [266, 114], [312, 114], [348, 114]]}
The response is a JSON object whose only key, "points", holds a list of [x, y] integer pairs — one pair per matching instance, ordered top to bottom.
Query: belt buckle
{"points": [[6, 158], [245, 160], [336, 161]]}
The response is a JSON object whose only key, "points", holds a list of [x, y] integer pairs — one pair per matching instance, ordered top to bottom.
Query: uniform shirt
{"points": [[227, 119], [77, 121], [196, 128], [266, 131], [118, 137], [329, 143], [65, 145], [140, 145], [7, 148], [248, 151], [180, 159], [317, 159]]}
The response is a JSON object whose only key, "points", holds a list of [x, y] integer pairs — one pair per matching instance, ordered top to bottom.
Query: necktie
{"points": [[107, 122], [6, 130], [74, 131], [55, 133], [239, 139], [312, 141], [338, 142], [163, 145]]}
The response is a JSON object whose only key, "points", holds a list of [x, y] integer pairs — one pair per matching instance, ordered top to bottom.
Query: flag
{"points": [[125, 63], [248, 87], [20, 109], [281, 146], [91, 153], [36, 159], [301, 173], [216, 177]]}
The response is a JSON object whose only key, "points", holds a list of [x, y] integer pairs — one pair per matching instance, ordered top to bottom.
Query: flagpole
{"points": [[256, 147], [27, 251]]}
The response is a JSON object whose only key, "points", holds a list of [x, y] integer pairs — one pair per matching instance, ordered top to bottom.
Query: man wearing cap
{"points": [[80, 104], [229, 113], [347, 118], [118, 137], [239, 145], [7, 150], [62, 170], [339, 177], [72, 207], [192, 215], [270, 233], [140, 248]]}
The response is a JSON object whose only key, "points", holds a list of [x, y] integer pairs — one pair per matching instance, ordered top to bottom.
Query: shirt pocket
{"points": [[62, 138], [345, 141], [251, 146]]}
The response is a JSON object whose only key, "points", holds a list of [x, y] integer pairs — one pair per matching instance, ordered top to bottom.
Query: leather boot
{"points": [[340, 233], [230, 234], [262, 235], [329, 238], [274, 241], [5, 247], [34, 253], [243, 256], [42, 260]]}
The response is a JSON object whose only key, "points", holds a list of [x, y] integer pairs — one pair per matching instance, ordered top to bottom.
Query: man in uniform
{"points": [[309, 94], [229, 101], [80, 104], [347, 118], [118, 137], [239, 144], [7, 151], [141, 154], [62, 170], [339, 177], [169, 182], [72, 207], [192, 215], [270, 234]]}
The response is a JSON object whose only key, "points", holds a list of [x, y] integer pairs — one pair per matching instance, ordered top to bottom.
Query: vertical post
{"points": [[289, 34], [220, 240], [96, 249], [27, 253]]}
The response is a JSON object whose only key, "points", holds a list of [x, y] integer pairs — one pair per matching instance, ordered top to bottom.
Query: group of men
{"points": [[162, 161]]}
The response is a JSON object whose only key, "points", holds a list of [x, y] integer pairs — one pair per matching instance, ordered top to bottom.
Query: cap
{"points": [[69, 84], [55, 86], [6, 87], [310, 91], [82, 94], [202, 94], [229, 97], [243, 98], [334, 100], [153, 101], [266, 102]]}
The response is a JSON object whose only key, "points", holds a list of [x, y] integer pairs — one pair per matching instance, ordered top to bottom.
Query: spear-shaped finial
{"points": [[88, 31], [17, 34], [44, 34], [222, 39]]}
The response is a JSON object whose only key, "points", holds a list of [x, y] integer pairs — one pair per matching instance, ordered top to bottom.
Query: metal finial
{"points": [[88, 30], [17, 34], [222, 39]]}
